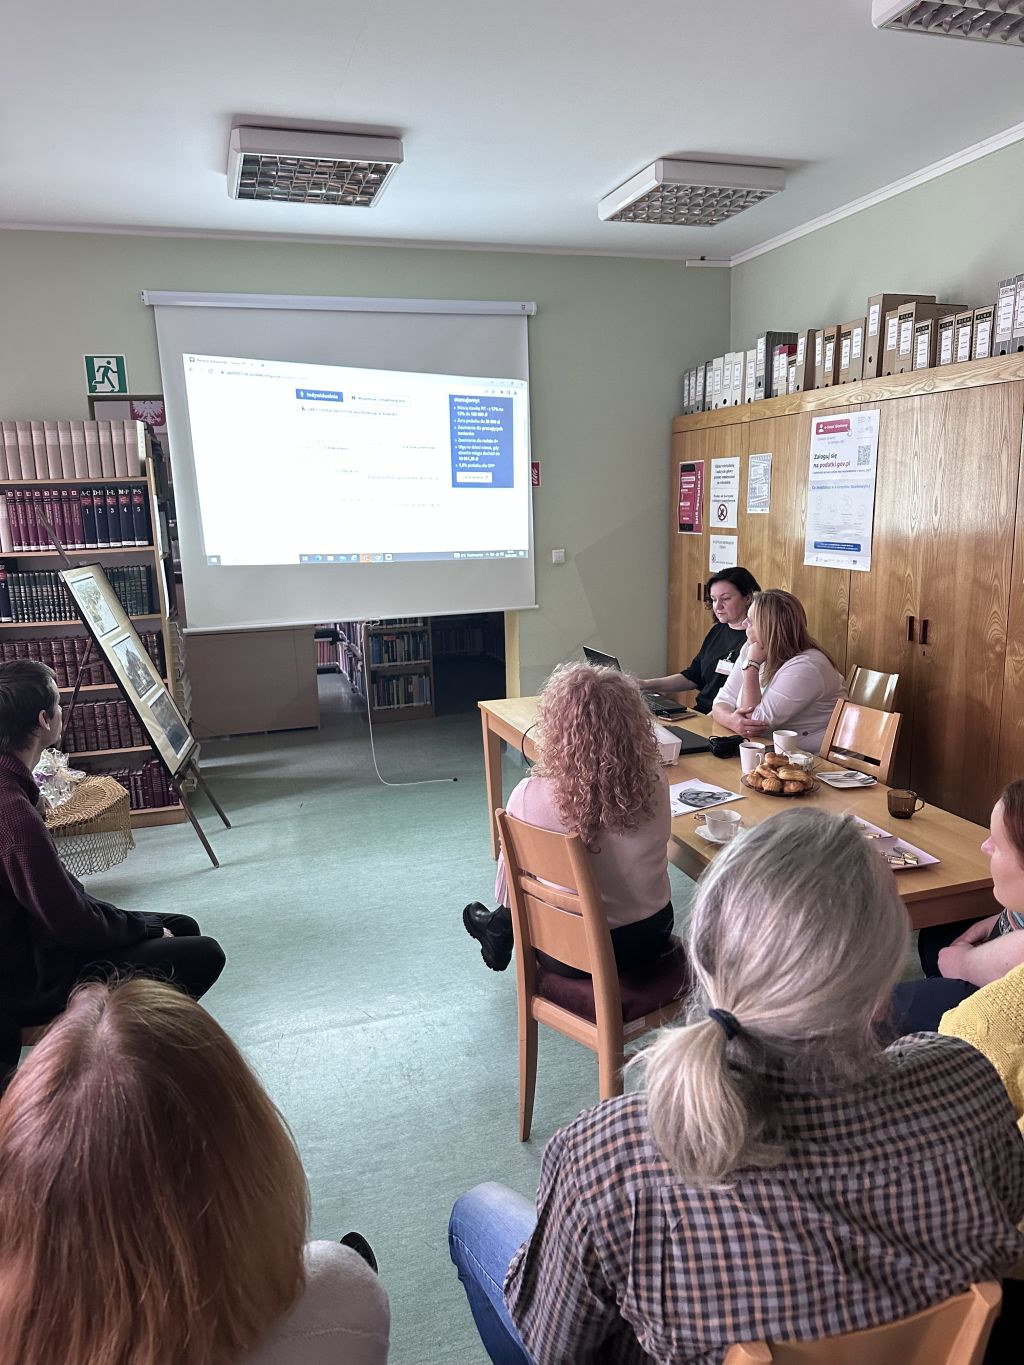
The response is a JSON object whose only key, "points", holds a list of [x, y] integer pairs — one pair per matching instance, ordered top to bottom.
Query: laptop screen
{"points": [[594, 656]]}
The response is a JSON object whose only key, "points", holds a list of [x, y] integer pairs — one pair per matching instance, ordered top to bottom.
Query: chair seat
{"points": [[643, 990]]}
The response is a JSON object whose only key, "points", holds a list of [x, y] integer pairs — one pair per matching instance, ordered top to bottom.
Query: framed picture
{"points": [[131, 407], [125, 655]]}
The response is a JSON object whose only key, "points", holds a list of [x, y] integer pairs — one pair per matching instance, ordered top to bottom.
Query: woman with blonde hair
{"points": [[783, 679], [599, 776], [782, 1177], [153, 1207]]}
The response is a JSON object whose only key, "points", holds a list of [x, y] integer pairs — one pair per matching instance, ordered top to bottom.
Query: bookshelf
{"points": [[399, 662], [105, 736]]}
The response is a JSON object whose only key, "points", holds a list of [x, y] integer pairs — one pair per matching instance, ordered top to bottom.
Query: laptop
{"points": [[657, 703]]}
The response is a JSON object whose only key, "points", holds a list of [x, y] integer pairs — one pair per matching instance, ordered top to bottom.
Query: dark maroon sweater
{"points": [[49, 924]]}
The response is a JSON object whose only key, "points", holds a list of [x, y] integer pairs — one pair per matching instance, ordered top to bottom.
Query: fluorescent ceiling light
{"points": [[985, 21], [293, 167], [689, 193]]}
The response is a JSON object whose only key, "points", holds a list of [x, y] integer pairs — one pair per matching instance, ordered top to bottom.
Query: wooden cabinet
{"points": [[943, 604]]}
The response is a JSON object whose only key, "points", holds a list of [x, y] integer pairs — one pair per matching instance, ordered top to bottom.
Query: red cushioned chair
{"points": [[557, 910]]}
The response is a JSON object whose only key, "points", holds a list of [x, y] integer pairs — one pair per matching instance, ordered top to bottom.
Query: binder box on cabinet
{"points": [[1018, 314], [908, 316], [874, 327], [963, 331], [944, 339], [890, 340], [1002, 340], [981, 343], [924, 344], [851, 351], [765, 357], [781, 358], [805, 361], [826, 371], [717, 374], [750, 377], [791, 385], [736, 388], [699, 394], [687, 401]]}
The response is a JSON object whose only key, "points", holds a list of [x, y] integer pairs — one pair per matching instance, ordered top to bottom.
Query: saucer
{"points": [[704, 833]]}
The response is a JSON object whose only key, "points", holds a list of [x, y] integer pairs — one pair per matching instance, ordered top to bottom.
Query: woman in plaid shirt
{"points": [[782, 1176]]}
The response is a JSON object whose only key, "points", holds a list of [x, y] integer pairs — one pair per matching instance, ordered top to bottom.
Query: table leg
{"points": [[492, 777]]}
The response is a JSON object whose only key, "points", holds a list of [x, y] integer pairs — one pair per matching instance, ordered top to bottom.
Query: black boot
{"points": [[492, 929], [358, 1243]]}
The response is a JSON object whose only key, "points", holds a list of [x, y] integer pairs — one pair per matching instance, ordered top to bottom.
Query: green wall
{"points": [[956, 236], [607, 348]]}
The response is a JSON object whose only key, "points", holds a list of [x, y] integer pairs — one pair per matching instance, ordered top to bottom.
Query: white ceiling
{"points": [[516, 117]]}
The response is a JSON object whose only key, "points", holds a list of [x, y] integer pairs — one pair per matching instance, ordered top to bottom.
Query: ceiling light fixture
{"points": [[985, 21], [286, 166], [689, 193]]}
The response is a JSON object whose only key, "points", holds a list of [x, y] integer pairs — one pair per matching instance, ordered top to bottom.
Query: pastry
{"points": [[777, 760], [762, 771], [791, 773], [754, 780], [771, 784], [791, 788]]}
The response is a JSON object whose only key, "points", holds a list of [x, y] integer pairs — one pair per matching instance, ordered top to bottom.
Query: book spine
{"points": [[38, 439], [51, 444], [135, 445], [65, 450], [92, 450], [106, 450], [120, 450], [25, 452], [79, 453], [10, 465], [88, 506], [16, 508], [124, 511], [73, 513], [113, 515], [140, 522], [60, 528], [6, 534], [38, 535], [6, 608]]}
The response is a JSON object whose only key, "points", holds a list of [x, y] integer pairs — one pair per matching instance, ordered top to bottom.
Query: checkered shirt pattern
{"points": [[892, 1196]]}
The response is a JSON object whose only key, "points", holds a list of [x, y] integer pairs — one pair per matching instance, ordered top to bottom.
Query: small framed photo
{"points": [[125, 655]]}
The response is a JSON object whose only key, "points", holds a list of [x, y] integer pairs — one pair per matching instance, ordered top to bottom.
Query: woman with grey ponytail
{"points": [[783, 1176]]}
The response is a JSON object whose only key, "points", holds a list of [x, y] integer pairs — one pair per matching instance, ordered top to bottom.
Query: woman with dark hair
{"points": [[729, 594], [785, 680], [599, 776], [959, 958], [782, 1176], [153, 1206]]}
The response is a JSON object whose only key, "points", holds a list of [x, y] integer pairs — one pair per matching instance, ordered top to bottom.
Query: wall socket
{"points": [[558, 556]]}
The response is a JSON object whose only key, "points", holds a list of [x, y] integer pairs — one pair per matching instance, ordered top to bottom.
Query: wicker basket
{"points": [[93, 831]]}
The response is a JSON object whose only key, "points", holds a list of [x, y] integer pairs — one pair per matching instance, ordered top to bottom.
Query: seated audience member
{"points": [[729, 593], [784, 680], [599, 776], [52, 932], [958, 958], [992, 1020], [782, 1176], [154, 1208]]}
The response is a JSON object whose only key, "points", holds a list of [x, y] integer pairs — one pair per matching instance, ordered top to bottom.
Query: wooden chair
{"points": [[865, 687], [861, 737], [557, 910], [954, 1332]]}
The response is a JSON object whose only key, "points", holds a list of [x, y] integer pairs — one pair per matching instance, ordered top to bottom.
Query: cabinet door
{"points": [[970, 457], [1011, 727]]}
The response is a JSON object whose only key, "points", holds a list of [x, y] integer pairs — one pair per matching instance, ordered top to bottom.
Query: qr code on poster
{"points": [[863, 457]]}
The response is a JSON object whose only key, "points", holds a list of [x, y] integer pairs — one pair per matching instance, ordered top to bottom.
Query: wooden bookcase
{"points": [[947, 560], [162, 620], [400, 668]]}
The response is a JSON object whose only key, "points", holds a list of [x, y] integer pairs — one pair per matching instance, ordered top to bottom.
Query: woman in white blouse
{"points": [[783, 679]]}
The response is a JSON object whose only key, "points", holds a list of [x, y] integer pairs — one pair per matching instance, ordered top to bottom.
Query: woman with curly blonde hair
{"points": [[598, 776]]}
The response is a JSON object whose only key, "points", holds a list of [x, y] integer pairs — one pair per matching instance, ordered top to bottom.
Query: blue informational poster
{"points": [[481, 430]]}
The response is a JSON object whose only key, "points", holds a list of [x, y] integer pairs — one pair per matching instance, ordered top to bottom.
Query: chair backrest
{"points": [[868, 688], [861, 737], [556, 907], [954, 1332]]}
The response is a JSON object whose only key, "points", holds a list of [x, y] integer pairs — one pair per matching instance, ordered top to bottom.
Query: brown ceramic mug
{"points": [[903, 804]]}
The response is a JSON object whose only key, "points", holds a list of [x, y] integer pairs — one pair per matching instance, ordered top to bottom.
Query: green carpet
{"points": [[355, 992]]}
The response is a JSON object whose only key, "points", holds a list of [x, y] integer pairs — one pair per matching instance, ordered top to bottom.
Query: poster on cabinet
{"points": [[759, 483], [841, 491], [725, 492], [691, 498], [722, 553]]}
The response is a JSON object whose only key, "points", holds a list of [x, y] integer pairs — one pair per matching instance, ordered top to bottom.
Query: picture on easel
{"points": [[117, 640]]}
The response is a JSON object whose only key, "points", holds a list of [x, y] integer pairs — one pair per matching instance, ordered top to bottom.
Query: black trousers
{"points": [[634, 945], [188, 960]]}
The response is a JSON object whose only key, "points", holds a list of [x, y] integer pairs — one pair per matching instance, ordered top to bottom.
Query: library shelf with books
{"points": [[97, 484], [399, 664]]}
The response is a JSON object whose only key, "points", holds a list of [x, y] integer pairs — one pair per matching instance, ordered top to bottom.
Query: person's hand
{"points": [[756, 653], [749, 729], [977, 933], [167, 934], [953, 961]]}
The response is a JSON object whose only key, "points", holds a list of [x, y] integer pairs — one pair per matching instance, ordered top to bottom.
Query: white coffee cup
{"points": [[785, 741], [751, 754], [722, 824]]}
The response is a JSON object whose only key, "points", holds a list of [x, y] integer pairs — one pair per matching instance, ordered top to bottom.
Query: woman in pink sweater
{"points": [[599, 776]]}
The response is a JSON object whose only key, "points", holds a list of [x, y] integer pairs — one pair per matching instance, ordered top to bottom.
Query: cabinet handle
{"points": [[700, 590], [910, 630], [924, 630]]}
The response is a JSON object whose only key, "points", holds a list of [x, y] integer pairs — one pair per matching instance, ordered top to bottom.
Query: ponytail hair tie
{"points": [[727, 1022]]}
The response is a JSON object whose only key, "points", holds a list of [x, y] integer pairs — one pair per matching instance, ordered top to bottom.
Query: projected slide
{"points": [[314, 464]]}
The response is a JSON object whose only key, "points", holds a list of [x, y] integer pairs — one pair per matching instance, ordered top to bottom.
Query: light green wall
{"points": [[956, 236], [607, 348]]}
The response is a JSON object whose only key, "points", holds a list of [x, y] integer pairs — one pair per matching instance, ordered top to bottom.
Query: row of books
{"points": [[71, 450], [87, 518], [41, 596], [466, 640], [404, 648], [65, 653], [405, 689], [104, 725], [147, 786]]}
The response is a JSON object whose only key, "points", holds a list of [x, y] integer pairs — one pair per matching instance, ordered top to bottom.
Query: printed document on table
{"points": [[841, 491], [697, 795]]}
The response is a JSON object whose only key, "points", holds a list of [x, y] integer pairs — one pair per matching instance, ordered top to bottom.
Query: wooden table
{"points": [[958, 887]]}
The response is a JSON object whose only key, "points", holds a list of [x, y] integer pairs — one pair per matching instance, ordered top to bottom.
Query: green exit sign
{"points": [[106, 374]]}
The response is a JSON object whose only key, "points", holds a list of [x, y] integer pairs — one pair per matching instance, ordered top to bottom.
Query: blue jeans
{"points": [[487, 1227]]}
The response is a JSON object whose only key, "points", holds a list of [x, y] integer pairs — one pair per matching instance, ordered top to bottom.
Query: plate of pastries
{"points": [[778, 775]]}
